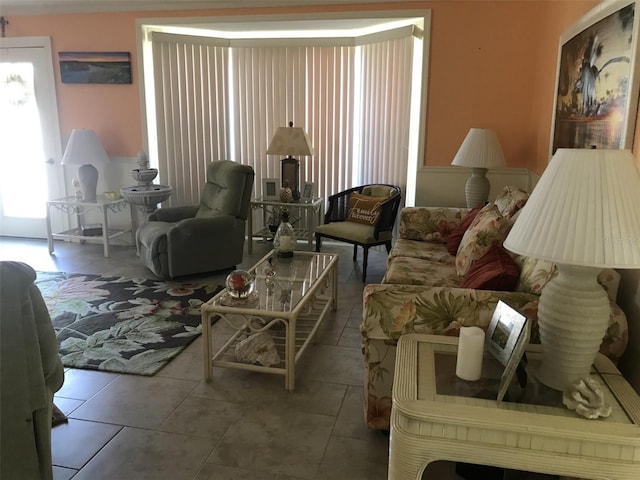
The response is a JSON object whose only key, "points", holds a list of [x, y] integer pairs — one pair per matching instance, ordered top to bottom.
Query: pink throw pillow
{"points": [[495, 270]]}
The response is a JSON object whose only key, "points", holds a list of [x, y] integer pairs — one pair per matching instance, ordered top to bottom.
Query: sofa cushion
{"points": [[511, 200], [364, 209], [487, 228], [455, 237], [432, 251], [495, 270], [417, 271]]}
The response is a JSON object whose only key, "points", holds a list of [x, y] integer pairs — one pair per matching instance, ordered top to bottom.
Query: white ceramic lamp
{"points": [[291, 141], [84, 149], [479, 151], [583, 215]]}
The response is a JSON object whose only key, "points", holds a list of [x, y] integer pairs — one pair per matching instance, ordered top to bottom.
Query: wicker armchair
{"points": [[339, 226]]}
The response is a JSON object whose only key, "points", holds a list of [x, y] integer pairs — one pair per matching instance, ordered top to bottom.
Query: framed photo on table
{"points": [[597, 79], [271, 188], [307, 191], [506, 339]]}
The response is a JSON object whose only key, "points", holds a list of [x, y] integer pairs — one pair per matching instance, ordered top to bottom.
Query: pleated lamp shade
{"points": [[480, 149], [585, 210], [583, 215]]}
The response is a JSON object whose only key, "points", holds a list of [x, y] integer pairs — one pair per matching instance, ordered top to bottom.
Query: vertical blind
{"points": [[219, 102]]}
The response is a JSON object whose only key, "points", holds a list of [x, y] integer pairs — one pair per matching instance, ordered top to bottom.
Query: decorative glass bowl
{"points": [[240, 284]]}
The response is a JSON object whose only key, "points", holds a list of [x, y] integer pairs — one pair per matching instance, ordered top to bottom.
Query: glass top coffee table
{"points": [[275, 324]]}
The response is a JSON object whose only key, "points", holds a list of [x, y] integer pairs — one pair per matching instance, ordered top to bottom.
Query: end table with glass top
{"points": [[76, 206], [304, 216], [286, 308], [436, 416]]}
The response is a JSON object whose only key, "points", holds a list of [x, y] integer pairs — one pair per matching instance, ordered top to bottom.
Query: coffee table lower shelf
{"points": [[278, 329]]}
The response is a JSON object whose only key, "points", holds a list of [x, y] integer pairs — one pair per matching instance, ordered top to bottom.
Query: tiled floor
{"points": [[242, 425]]}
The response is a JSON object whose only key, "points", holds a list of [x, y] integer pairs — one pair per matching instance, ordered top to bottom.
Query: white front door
{"points": [[30, 146]]}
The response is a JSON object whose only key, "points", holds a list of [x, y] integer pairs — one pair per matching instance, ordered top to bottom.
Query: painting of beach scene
{"points": [[95, 67]]}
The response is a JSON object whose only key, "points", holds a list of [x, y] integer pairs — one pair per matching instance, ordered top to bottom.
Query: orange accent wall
{"points": [[492, 65]]}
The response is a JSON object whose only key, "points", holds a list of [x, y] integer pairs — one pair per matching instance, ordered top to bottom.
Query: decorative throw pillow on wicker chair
{"points": [[364, 209], [487, 228]]}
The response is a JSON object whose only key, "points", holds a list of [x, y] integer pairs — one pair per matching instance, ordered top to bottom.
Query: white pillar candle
{"points": [[470, 353]]}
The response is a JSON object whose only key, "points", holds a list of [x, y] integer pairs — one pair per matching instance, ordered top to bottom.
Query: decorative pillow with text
{"points": [[364, 209]]}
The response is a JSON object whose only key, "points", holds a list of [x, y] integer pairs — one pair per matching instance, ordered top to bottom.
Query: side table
{"points": [[75, 206], [309, 213], [436, 416]]}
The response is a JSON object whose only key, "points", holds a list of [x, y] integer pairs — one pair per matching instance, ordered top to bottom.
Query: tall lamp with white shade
{"points": [[291, 141], [84, 149], [480, 151], [583, 215]]}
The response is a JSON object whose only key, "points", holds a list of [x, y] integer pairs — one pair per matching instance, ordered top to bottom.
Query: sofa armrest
{"points": [[429, 223]]}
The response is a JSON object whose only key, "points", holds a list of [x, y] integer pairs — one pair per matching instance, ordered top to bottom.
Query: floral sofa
{"points": [[423, 290]]}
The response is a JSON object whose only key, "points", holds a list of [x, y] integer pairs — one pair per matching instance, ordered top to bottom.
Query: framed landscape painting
{"points": [[95, 67], [597, 80]]}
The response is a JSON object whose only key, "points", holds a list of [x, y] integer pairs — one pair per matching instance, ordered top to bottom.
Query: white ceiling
{"points": [[26, 7]]}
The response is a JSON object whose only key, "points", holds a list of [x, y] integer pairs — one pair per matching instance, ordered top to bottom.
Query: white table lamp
{"points": [[291, 141], [84, 149], [479, 151], [583, 215]]}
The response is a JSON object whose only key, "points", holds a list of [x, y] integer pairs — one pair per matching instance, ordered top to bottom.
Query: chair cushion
{"points": [[378, 190], [364, 209], [487, 228], [352, 232], [455, 237], [432, 251], [495, 270], [417, 271], [534, 274]]}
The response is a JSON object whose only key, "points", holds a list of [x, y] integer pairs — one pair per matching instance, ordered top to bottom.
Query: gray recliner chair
{"points": [[201, 238]]}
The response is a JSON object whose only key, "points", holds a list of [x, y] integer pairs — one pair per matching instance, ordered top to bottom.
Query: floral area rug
{"points": [[120, 324]]}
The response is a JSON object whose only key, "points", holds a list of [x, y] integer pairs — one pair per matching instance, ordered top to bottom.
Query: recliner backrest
{"points": [[227, 191]]}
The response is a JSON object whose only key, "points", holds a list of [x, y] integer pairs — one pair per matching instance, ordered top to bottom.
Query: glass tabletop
{"points": [[282, 283]]}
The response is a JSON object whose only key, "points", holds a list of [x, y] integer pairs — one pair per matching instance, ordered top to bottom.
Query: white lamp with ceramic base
{"points": [[84, 149], [479, 151], [582, 215]]}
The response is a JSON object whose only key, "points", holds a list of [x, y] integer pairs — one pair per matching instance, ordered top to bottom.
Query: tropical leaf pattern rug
{"points": [[120, 324]]}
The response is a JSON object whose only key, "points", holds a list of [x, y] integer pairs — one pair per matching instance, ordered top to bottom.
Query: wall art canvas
{"points": [[95, 67], [597, 83]]}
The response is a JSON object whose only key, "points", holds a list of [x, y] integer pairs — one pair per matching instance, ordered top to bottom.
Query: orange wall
{"points": [[492, 64]]}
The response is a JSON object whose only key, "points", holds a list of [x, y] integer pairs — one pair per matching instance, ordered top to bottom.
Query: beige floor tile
{"points": [[328, 363], [84, 384], [263, 390], [136, 401], [202, 417], [350, 420], [76, 442], [284, 442], [140, 454], [353, 459], [210, 471], [61, 473]]}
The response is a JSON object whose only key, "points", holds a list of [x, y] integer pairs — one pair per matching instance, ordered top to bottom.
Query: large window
{"points": [[214, 98]]}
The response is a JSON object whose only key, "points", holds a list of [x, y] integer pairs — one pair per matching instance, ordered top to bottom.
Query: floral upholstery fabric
{"points": [[510, 201], [429, 224], [487, 228], [426, 250], [418, 271], [420, 294], [390, 311]]}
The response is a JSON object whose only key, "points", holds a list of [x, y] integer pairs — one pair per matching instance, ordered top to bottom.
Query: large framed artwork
{"points": [[597, 80]]}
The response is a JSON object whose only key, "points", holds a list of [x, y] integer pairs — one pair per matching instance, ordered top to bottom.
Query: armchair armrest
{"points": [[173, 214], [429, 223], [200, 232]]}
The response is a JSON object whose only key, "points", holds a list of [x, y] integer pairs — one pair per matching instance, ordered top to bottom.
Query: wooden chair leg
{"points": [[318, 242], [388, 245], [355, 252], [365, 257]]}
